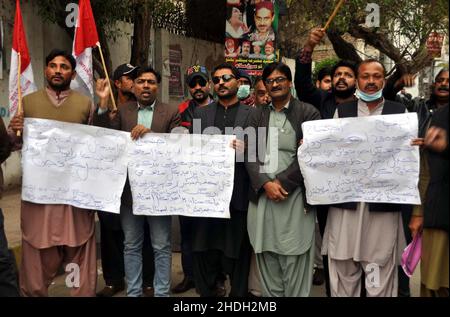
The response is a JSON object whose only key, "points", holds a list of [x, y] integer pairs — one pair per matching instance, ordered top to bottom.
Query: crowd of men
{"points": [[268, 247]]}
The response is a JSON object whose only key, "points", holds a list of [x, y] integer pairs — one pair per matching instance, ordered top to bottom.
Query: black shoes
{"points": [[318, 277], [184, 286], [110, 290]]}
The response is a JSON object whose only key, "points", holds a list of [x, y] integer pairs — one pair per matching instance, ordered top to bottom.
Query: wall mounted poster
{"points": [[250, 34]]}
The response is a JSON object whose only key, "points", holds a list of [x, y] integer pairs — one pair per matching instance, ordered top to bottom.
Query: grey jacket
{"points": [[291, 178]]}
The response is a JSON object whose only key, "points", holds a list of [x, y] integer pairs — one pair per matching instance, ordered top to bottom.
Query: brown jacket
{"points": [[165, 118], [5, 150]]}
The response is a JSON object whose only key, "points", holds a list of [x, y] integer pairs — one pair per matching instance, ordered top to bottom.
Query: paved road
{"points": [[10, 205]]}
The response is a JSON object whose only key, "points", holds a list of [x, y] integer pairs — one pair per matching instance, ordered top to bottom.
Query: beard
{"points": [[64, 85], [128, 94], [229, 94], [344, 94], [199, 96]]}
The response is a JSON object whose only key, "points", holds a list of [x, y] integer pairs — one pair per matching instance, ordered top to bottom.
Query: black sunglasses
{"points": [[226, 78], [197, 81]]}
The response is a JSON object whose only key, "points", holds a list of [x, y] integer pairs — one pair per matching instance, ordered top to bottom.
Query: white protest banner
{"points": [[365, 159], [74, 164], [182, 174]]}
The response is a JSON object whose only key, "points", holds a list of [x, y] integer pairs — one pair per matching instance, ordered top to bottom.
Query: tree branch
{"points": [[343, 49]]}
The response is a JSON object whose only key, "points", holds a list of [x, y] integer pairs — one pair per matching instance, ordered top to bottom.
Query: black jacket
{"points": [[325, 101], [207, 114], [291, 178], [436, 204]]}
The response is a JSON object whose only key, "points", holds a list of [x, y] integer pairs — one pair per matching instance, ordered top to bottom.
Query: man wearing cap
{"points": [[264, 16], [246, 48], [123, 81], [199, 85], [199, 88], [244, 92], [111, 233]]}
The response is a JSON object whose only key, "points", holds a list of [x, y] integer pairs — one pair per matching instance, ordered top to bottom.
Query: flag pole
{"points": [[336, 9], [107, 76], [19, 89]]}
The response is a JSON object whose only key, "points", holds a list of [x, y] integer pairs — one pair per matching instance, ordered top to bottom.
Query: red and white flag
{"points": [[85, 38], [26, 72]]}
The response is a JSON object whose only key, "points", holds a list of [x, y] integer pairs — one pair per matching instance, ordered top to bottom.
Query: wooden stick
{"points": [[336, 9], [107, 77], [19, 90]]}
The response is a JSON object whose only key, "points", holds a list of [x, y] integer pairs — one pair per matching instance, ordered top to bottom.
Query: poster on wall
{"points": [[250, 34], [175, 83]]}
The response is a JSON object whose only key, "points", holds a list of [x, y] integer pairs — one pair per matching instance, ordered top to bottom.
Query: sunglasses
{"points": [[225, 78], [278, 80], [197, 81]]}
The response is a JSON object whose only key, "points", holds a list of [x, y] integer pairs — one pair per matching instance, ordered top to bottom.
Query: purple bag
{"points": [[411, 255]]}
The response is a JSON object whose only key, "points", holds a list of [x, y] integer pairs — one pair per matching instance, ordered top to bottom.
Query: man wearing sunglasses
{"points": [[198, 84], [221, 245]]}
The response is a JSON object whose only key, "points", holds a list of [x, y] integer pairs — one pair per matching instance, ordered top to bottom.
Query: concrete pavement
{"points": [[10, 204]]}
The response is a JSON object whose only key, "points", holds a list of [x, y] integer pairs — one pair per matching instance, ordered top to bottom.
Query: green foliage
{"points": [[164, 13], [328, 62]]}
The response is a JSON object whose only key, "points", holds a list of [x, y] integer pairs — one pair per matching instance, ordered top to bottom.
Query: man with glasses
{"points": [[199, 85], [280, 227], [221, 245]]}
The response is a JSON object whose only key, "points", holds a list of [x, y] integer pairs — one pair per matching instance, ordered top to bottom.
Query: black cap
{"points": [[125, 69], [196, 70], [244, 74]]}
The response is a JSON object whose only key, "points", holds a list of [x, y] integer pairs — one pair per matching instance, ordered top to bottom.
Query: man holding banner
{"points": [[139, 117], [280, 228], [56, 234], [365, 238], [221, 245]]}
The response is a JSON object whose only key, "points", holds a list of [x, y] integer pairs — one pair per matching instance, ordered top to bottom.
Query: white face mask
{"points": [[243, 92], [368, 97]]}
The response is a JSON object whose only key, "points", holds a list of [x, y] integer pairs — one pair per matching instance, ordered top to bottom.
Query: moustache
{"points": [[57, 76], [342, 81], [368, 86], [276, 89], [443, 89], [198, 91]]}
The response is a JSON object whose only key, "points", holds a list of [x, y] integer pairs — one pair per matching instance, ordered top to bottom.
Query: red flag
{"points": [[86, 30], [85, 38], [26, 79]]}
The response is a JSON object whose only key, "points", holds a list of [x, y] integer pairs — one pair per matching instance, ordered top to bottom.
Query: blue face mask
{"points": [[243, 92], [368, 97]]}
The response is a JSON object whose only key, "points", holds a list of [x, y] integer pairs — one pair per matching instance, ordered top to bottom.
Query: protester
{"points": [[139, 117], [280, 226], [111, 233], [56, 234], [359, 235], [221, 245], [8, 276]]}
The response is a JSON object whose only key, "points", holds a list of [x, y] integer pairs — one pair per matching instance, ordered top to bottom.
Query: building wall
{"points": [[43, 37], [36, 40], [193, 51]]}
